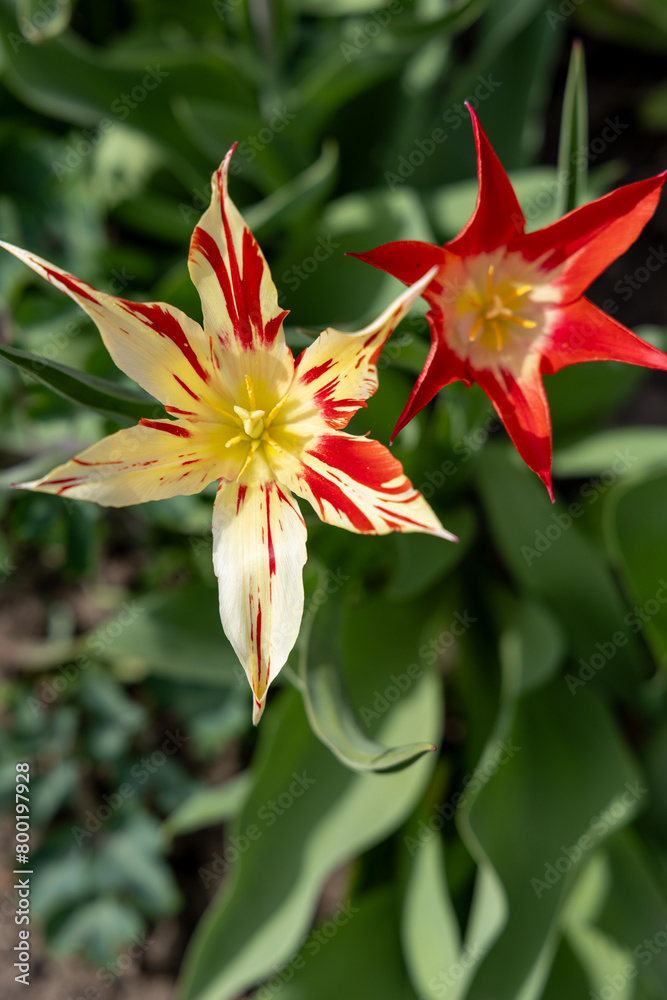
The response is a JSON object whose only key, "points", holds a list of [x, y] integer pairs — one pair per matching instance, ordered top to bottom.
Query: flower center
{"points": [[495, 306], [255, 424]]}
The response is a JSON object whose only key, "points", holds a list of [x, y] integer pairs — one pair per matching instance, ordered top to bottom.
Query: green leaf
{"points": [[39, 21], [573, 135], [302, 192], [85, 390], [623, 451], [636, 535], [550, 557], [422, 561], [159, 639], [532, 643], [327, 706], [334, 723], [554, 735], [210, 806], [284, 857], [129, 861], [99, 929], [430, 931], [360, 958]]}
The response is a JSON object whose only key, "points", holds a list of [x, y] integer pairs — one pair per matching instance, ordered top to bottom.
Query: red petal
{"points": [[497, 218], [588, 239], [407, 260], [582, 332], [441, 368], [524, 410]]}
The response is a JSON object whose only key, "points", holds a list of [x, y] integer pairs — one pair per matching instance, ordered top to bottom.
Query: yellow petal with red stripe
{"points": [[239, 299], [158, 346], [338, 372], [152, 461], [356, 483], [259, 550]]}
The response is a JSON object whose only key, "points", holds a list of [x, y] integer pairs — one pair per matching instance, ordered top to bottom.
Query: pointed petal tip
{"points": [[220, 175], [546, 479], [258, 706]]}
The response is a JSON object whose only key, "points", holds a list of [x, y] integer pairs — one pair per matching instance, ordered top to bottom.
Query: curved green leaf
{"points": [[86, 390], [327, 707], [210, 806], [285, 852]]}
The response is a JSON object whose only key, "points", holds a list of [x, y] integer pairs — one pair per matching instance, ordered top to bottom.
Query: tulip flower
{"points": [[507, 307], [243, 412]]}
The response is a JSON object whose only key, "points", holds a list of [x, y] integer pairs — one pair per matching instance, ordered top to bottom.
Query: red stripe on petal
{"points": [[204, 242], [253, 269], [75, 286], [166, 325], [242, 327], [272, 328], [187, 388], [182, 413], [166, 425], [366, 462], [243, 489], [323, 489], [269, 539], [258, 643]]}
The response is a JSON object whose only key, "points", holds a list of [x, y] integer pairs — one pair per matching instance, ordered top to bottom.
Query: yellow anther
{"points": [[493, 307], [276, 408]]}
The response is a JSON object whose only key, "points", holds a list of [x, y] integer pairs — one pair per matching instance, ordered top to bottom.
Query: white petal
{"points": [[259, 550]]}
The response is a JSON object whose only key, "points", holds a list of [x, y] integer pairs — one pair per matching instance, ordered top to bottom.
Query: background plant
{"points": [[527, 857]]}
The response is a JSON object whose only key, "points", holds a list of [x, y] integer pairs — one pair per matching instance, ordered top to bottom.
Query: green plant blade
{"points": [[572, 166], [85, 390], [328, 709], [210, 806], [285, 859]]}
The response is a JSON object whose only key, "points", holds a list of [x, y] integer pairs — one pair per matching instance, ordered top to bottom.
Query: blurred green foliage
{"points": [[526, 858]]}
